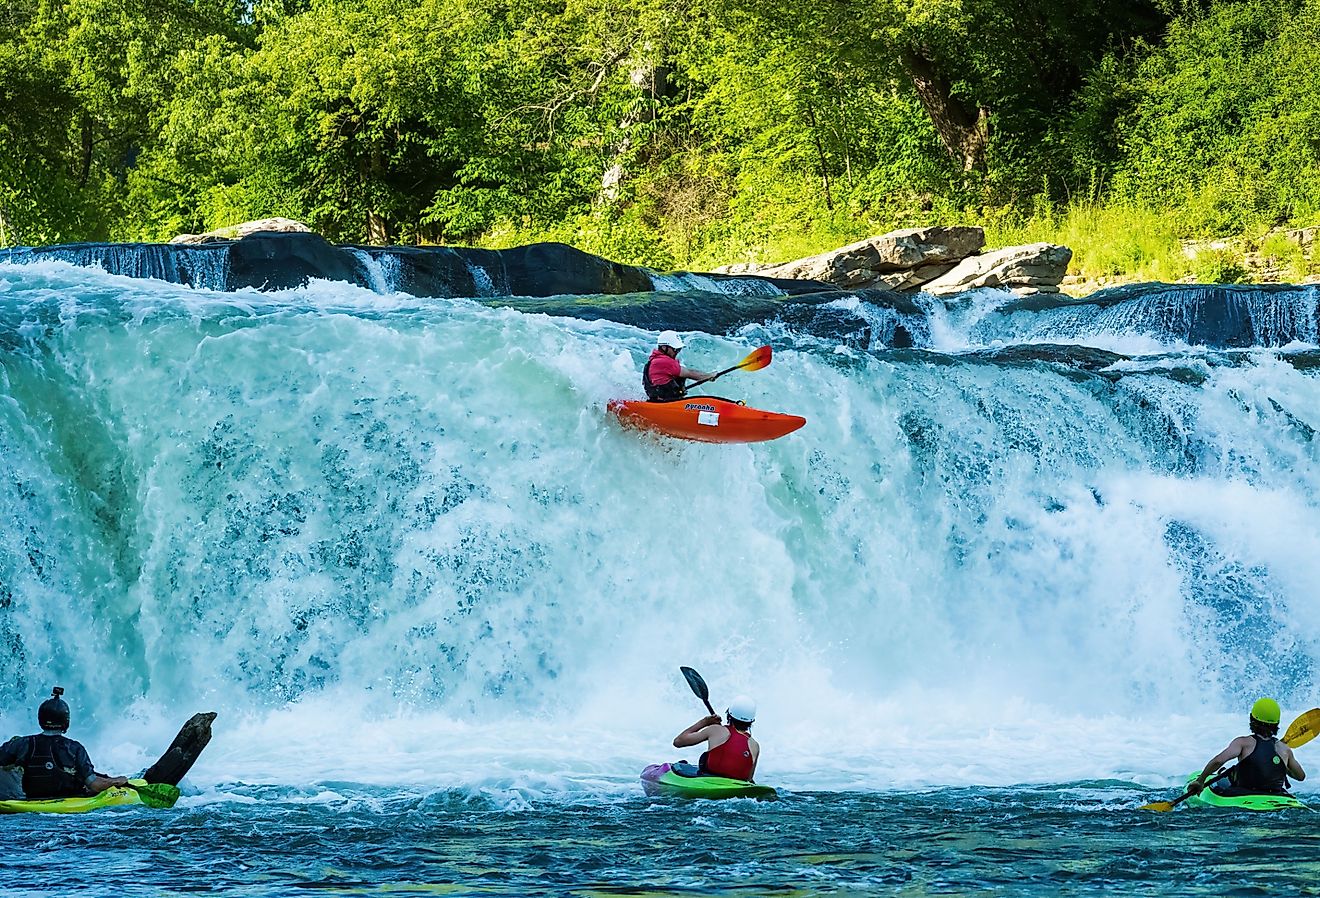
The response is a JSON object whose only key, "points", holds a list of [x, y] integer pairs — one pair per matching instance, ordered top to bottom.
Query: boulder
{"points": [[239, 231], [914, 252], [269, 261], [1034, 268]]}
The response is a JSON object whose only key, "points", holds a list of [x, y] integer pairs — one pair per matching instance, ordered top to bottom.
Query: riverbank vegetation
{"points": [[675, 133]]}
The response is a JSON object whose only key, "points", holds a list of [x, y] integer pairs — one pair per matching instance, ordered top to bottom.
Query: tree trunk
{"points": [[652, 81], [964, 130], [820, 154], [86, 167], [380, 229], [183, 751]]}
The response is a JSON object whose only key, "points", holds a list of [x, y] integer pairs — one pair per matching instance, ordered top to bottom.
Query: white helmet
{"points": [[670, 339], [742, 708]]}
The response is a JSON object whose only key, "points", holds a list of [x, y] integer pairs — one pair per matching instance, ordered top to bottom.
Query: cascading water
{"points": [[399, 540]]}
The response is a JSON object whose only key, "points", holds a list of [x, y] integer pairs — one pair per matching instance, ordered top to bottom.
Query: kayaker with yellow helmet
{"points": [[663, 377], [1264, 762]]}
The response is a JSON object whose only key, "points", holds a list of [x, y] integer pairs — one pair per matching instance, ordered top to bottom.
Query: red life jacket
{"points": [[732, 758]]}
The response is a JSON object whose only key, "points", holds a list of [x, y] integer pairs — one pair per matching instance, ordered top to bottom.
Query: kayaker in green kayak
{"points": [[730, 749], [1264, 762], [52, 764]]}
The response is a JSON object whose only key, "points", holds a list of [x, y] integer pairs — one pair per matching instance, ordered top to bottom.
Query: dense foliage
{"points": [[671, 132]]}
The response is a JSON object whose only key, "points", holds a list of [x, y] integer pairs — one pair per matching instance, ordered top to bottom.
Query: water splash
{"points": [[688, 282], [316, 507]]}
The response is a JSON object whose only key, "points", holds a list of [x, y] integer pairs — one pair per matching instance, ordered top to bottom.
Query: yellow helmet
{"points": [[1266, 710]]}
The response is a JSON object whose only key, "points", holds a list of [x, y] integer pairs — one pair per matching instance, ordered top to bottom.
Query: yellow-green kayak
{"points": [[660, 779], [113, 797], [1209, 798]]}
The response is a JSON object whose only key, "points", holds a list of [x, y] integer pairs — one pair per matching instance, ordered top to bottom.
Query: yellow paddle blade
{"points": [[756, 359], [1303, 729], [1160, 806]]}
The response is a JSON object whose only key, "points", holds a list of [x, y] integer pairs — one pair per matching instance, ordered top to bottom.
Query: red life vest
{"points": [[732, 758]]}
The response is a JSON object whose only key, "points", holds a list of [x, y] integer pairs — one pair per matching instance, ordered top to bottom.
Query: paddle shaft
{"points": [[758, 357], [718, 376], [1208, 783]]}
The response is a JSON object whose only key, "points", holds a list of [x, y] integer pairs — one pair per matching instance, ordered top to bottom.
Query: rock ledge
{"points": [[937, 260]]}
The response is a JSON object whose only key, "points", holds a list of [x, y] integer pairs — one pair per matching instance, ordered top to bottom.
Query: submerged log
{"points": [[183, 751]]}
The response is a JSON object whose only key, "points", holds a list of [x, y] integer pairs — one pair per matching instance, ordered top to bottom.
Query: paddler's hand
{"points": [[710, 720], [1195, 787]]}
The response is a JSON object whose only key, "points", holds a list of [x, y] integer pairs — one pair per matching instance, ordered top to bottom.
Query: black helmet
{"points": [[54, 713]]}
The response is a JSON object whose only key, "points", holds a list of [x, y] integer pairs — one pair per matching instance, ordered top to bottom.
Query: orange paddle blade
{"points": [[756, 359]]}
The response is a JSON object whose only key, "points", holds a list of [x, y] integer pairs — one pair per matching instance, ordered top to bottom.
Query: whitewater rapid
{"points": [[399, 541]]}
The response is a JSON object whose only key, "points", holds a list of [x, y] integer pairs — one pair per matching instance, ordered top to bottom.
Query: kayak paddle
{"points": [[756, 360], [693, 678], [1301, 731], [155, 795]]}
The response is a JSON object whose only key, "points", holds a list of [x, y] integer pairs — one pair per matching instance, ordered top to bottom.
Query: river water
{"points": [[1023, 570]]}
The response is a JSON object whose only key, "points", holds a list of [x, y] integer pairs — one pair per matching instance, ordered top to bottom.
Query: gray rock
{"points": [[239, 231], [864, 264], [1027, 269]]}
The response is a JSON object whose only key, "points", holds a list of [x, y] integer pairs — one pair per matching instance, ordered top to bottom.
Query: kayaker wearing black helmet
{"points": [[663, 377], [730, 749], [1264, 762], [54, 766]]}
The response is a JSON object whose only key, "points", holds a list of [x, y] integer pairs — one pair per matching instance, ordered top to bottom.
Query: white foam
{"points": [[398, 541]]}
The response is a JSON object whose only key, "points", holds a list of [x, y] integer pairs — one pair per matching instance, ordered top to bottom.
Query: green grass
{"points": [[1107, 241], [1122, 241]]}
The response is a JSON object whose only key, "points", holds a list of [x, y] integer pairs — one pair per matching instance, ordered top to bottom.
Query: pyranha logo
{"points": [[698, 407]]}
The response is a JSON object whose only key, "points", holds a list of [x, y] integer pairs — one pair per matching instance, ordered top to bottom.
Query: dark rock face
{"points": [[273, 261], [279, 261], [540, 269]]}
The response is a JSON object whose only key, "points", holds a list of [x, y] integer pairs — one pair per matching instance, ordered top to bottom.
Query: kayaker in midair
{"points": [[663, 377], [730, 749], [1264, 762], [53, 765]]}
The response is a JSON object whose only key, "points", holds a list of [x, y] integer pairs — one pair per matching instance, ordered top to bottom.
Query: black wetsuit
{"points": [[54, 766], [1260, 773]]}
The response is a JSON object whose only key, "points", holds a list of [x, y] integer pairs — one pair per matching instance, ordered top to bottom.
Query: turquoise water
{"points": [[439, 598], [1082, 839]]}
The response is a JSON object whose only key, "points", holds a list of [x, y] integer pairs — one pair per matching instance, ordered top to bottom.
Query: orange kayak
{"points": [[707, 419]]}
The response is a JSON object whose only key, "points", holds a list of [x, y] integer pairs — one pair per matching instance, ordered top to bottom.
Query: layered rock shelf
{"points": [[276, 253], [938, 260]]}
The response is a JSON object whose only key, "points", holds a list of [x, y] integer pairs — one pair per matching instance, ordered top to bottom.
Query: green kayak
{"points": [[660, 779], [110, 798], [1212, 799]]}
